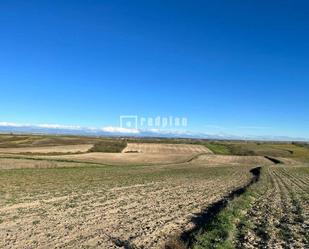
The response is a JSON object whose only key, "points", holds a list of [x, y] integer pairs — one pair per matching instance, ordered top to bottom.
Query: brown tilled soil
{"points": [[158, 148], [48, 149], [141, 154], [152, 154], [125, 158], [232, 160], [12, 163], [63, 202], [107, 207], [280, 217]]}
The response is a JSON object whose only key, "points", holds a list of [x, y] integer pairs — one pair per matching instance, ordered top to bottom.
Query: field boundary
{"points": [[274, 160]]}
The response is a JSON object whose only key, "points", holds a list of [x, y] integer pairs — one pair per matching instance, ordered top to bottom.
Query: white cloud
{"points": [[10, 124], [46, 126], [58, 126], [254, 127], [112, 129]]}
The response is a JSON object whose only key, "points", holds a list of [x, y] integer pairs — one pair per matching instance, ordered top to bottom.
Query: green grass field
{"points": [[289, 150]]}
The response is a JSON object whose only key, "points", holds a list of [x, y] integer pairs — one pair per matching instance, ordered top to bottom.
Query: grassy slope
{"points": [[16, 141], [109, 146], [272, 149], [230, 223]]}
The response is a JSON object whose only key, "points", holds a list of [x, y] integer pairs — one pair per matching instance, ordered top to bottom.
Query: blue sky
{"points": [[236, 67]]}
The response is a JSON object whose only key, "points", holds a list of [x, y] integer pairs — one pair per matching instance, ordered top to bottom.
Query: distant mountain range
{"points": [[6, 127]]}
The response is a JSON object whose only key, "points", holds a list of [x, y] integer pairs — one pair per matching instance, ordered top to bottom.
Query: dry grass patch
{"points": [[160, 148]]}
